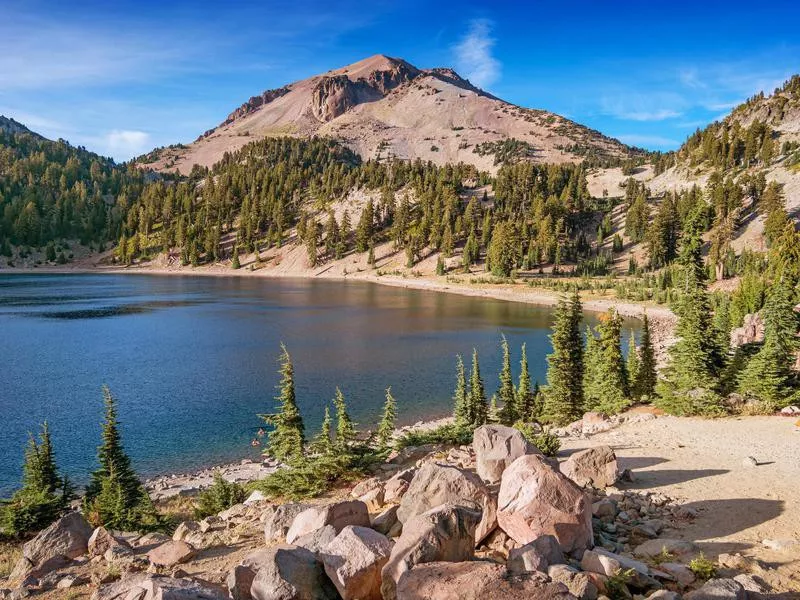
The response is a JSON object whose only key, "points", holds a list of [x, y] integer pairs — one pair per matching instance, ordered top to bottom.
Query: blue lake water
{"points": [[193, 360]]}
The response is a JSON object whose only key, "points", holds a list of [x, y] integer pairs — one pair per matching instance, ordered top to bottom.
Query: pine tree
{"points": [[365, 229], [371, 255], [235, 261], [632, 365], [769, 375], [690, 378], [644, 384], [607, 391], [524, 395], [563, 401], [461, 408], [478, 409], [509, 412], [387, 423], [345, 428], [286, 440], [321, 444], [44, 493], [115, 497]]}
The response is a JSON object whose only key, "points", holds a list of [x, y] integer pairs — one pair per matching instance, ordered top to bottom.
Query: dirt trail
{"points": [[700, 462]]}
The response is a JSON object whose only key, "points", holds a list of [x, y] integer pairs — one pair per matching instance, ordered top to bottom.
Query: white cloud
{"points": [[474, 59], [643, 107], [648, 141], [123, 144]]}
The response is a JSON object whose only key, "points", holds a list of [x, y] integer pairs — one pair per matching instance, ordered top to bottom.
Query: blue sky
{"points": [[123, 77]]}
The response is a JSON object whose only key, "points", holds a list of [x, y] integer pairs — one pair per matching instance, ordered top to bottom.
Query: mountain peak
{"points": [[9, 125]]}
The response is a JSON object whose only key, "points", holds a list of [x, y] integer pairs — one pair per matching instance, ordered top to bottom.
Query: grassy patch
{"points": [[9, 555]]}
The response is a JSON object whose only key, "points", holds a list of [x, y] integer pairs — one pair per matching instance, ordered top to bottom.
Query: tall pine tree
{"points": [[644, 384], [563, 401], [508, 412], [287, 438]]}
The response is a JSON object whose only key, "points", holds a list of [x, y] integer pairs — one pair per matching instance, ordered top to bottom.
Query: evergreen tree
{"points": [[366, 227], [502, 253], [371, 255], [235, 261], [632, 364], [769, 375], [690, 378], [644, 384], [608, 389], [524, 395], [563, 401], [476, 402], [461, 407], [508, 413], [387, 424], [345, 428], [285, 441], [321, 444], [44, 493], [115, 497]]}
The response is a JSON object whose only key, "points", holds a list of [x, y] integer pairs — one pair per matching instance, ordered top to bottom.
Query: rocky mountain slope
{"points": [[384, 106], [10, 126]]}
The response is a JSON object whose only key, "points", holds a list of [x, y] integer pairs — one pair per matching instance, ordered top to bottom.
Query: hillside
{"points": [[381, 107]]}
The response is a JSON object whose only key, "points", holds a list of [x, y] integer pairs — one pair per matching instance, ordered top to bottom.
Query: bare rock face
{"points": [[751, 331], [496, 447], [596, 467], [436, 484], [397, 485], [537, 500], [338, 514], [278, 519], [385, 521], [445, 533], [318, 539], [101, 541], [54, 547], [171, 553], [538, 555], [354, 561], [291, 573], [239, 581], [475, 581], [151, 587], [719, 589]]}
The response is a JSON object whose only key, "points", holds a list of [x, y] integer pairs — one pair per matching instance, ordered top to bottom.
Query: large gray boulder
{"points": [[496, 447], [595, 467], [437, 484], [537, 500], [337, 514], [278, 519], [444, 533], [101, 541], [54, 547], [171, 553], [537, 555], [354, 560], [291, 573], [240, 579], [476, 581], [153, 587], [718, 589]]}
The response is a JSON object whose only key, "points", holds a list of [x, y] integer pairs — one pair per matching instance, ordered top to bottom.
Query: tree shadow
{"points": [[639, 462], [659, 478], [722, 518]]}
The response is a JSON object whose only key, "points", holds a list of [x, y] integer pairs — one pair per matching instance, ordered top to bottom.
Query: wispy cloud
{"points": [[474, 58], [643, 107], [648, 141], [126, 143]]}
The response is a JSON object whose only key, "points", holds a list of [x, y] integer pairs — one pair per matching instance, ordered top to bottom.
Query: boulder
{"points": [[751, 331], [595, 422], [496, 447], [596, 467], [436, 484], [397, 485], [366, 486], [374, 499], [537, 500], [337, 514], [278, 519], [385, 521], [444, 533], [317, 539], [101, 541], [53, 547], [652, 548], [171, 553], [537, 555], [354, 560], [606, 563], [291, 573], [682, 574], [239, 581], [476, 581], [578, 583], [152, 587], [718, 589], [664, 595]]}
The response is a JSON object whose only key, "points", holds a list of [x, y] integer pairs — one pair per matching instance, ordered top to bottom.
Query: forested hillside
{"points": [[52, 191]]}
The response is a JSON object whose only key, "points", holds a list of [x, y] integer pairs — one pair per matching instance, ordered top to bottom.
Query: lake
{"points": [[193, 360]]}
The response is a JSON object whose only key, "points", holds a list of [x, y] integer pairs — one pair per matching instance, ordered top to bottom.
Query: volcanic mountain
{"points": [[381, 107]]}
